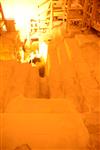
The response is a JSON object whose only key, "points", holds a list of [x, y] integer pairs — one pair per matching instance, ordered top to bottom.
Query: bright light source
{"points": [[22, 11], [43, 50], [21, 52], [31, 55]]}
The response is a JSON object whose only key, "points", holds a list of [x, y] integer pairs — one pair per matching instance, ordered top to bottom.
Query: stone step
{"points": [[45, 127]]}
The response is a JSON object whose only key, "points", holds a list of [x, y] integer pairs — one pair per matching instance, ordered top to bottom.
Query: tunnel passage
{"points": [[21, 79], [35, 85]]}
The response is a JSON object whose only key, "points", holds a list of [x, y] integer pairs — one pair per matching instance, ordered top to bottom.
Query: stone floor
{"points": [[72, 71]]}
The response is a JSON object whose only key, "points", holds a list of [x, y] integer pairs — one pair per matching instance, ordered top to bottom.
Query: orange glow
{"points": [[22, 11], [23, 20], [43, 50], [42, 53], [22, 55], [32, 55]]}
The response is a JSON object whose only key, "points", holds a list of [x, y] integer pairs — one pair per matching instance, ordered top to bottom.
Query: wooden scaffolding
{"points": [[88, 7], [53, 10], [58, 10], [73, 13], [92, 14], [95, 17], [2, 20], [43, 24]]}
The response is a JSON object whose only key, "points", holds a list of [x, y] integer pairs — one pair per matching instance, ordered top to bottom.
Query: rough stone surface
{"points": [[74, 73], [44, 123]]}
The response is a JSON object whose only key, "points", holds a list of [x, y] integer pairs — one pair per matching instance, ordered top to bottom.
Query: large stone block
{"points": [[86, 39], [43, 124]]}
